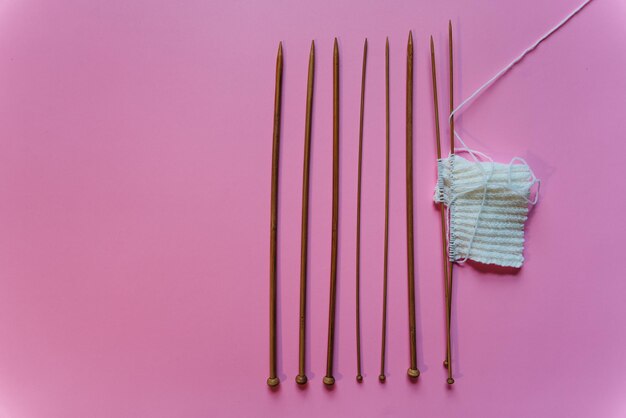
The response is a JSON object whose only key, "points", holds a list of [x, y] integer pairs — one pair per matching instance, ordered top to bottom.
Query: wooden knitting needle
{"points": [[451, 86], [444, 251], [451, 265], [413, 372], [359, 377], [381, 377], [301, 378], [273, 380], [329, 380]]}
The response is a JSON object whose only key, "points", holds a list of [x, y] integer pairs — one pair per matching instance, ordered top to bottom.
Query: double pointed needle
{"points": [[359, 377], [301, 378]]}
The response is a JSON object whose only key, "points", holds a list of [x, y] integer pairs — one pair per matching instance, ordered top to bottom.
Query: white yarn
{"points": [[515, 61], [488, 202], [486, 218]]}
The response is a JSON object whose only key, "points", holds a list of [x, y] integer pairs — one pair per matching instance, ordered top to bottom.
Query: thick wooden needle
{"points": [[444, 240], [451, 264], [413, 372], [359, 377], [382, 377], [301, 378], [273, 380], [329, 380]]}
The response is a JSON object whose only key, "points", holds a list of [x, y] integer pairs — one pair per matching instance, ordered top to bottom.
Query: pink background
{"points": [[134, 209]]}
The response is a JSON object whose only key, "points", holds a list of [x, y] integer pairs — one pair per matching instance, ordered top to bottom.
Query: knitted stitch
{"points": [[488, 205]]}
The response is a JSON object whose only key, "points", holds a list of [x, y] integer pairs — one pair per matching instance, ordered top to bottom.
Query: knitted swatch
{"points": [[488, 205]]}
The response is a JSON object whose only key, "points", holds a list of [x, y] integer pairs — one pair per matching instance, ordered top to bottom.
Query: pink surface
{"points": [[134, 209]]}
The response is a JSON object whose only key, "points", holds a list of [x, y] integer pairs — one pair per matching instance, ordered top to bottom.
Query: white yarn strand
{"points": [[515, 61]]}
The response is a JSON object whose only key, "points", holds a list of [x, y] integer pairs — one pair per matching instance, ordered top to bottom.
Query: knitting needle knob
{"points": [[382, 378], [301, 379], [329, 380], [273, 381]]}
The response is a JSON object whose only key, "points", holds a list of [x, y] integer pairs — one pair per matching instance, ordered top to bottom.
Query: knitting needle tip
{"points": [[411, 37], [280, 48], [312, 48]]}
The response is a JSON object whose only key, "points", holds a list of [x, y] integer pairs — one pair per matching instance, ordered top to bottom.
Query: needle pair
{"points": [[447, 264]]}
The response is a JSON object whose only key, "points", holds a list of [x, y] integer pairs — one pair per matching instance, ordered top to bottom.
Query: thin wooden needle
{"points": [[451, 58], [444, 240], [450, 265], [413, 372], [359, 377], [382, 377], [301, 378], [273, 380], [329, 380]]}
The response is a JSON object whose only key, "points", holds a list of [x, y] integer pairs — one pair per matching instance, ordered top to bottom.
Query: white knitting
{"points": [[487, 201], [488, 205]]}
